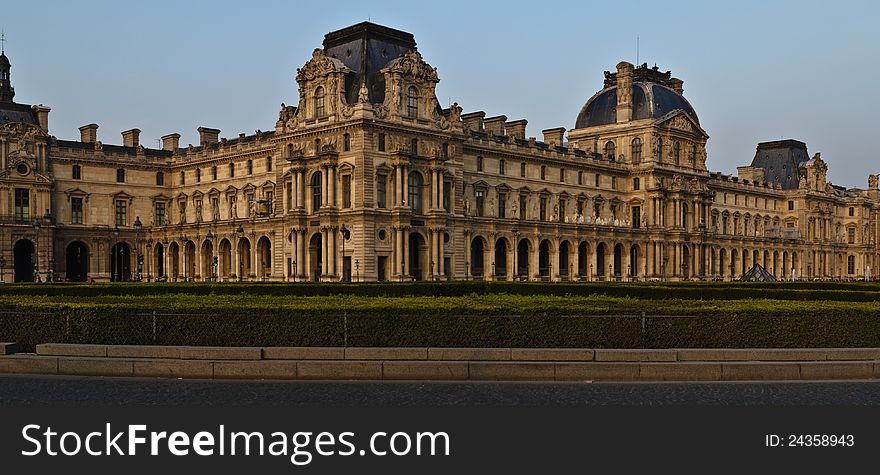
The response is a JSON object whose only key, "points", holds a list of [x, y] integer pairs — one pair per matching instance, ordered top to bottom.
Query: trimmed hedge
{"points": [[840, 291], [126, 326]]}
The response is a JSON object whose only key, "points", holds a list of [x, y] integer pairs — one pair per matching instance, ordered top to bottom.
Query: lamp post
{"points": [[37, 224], [239, 233], [345, 235], [210, 237], [185, 241], [138, 247], [2, 263], [357, 269], [570, 271], [116, 272], [590, 277]]}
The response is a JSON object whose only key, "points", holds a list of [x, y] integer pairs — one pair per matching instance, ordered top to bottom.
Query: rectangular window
{"points": [[381, 142], [268, 164], [479, 164], [501, 167], [522, 170], [77, 172], [214, 172], [543, 172], [120, 175], [198, 175], [562, 175], [182, 178], [580, 178], [598, 180], [614, 183], [636, 184], [346, 191], [381, 191], [480, 198], [270, 200], [289, 201], [523, 201], [447, 203], [502, 203], [22, 205], [562, 205], [791, 205], [580, 207], [76, 210], [121, 210], [542, 210], [852, 211], [160, 213], [636, 217], [851, 235], [851, 264]]}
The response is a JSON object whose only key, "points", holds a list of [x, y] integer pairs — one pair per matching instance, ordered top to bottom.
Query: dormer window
{"points": [[319, 102], [412, 102], [609, 150]]}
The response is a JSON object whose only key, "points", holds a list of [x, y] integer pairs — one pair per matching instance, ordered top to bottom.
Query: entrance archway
{"points": [[264, 250], [315, 255], [416, 256], [478, 257], [225, 258], [244, 258], [500, 258], [522, 259], [544, 259], [189, 260], [23, 261], [160, 261], [600, 261], [618, 261], [77, 262], [120, 264], [564, 265], [208, 271]]}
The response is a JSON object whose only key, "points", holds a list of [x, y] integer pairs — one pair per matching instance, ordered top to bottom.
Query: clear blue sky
{"points": [[754, 71]]}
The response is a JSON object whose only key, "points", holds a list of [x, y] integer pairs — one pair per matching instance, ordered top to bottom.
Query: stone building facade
{"points": [[369, 178]]}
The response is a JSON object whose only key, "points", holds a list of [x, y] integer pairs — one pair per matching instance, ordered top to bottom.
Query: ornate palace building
{"points": [[369, 178]]}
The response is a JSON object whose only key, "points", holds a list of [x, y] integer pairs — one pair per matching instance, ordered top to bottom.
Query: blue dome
{"points": [[649, 100]]}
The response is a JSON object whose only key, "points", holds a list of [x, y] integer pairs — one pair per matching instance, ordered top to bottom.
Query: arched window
{"points": [[319, 102], [412, 102], [609, 150], [637, 150], [659, 150], [676, 152], [77, 172], [160, 178], [316, 191], [415, 191]]}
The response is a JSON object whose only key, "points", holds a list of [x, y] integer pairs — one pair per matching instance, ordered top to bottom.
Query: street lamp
{"points": [[37, 224], [239, 233], [345, 235], [210, 237], [185, 241], [138, 247], [2, 263], [357, 269], [117, 271]]}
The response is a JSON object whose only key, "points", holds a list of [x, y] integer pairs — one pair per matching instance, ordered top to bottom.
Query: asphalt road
{"points": [[91, 391]]}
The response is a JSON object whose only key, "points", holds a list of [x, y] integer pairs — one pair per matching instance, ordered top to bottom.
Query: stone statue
{"points": [[363, 93], [872, 182], [467, 208], [252, 209], [182, 212], [233, 213]]}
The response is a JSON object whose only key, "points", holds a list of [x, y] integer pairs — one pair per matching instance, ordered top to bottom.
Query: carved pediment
{"points": [[411, 64], [319, 66], [680, 120]]}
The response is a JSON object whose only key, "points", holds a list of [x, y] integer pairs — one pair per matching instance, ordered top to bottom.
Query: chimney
{"points": [[677, 85], [624, 91], [42, 116], [473, 121], [495, 125], [517, 128], [88, 133], [208, 136], [130, 137], [554, 137], [171, 142]]}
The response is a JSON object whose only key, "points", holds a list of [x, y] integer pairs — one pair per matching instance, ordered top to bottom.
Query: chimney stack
{"points": [[624, 91], [42, 116], [473, 121], [495, 125], [516, 128], [88, 133], [208, 136], [130, 137], [554, 137], [171, 142]]}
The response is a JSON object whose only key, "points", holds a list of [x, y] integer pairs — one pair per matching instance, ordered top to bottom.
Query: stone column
{"points": [[403, 197], [332, 199], [334, 250], [405, 252], [442, 252], [490, 269]]}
